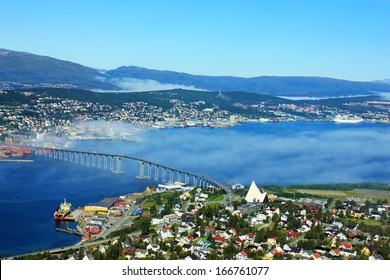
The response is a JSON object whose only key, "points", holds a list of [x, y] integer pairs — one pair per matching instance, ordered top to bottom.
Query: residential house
{"points": [[157, 221], [208, 229], [165, 233], [291, 234], [219, 239], [271, 241], [346, 246], [153, 247], [187, 247], [103, 248], [278, 250], [320, 250], [295, 251], [365, 251], [334, 253], [347, 253], [141, 254], [307, 254], [242, 256], [317, 256], [191, 257], [376, 257]]}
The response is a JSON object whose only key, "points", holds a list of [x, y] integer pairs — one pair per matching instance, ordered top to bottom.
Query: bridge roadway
{"points": [[142, 161], [64, 249]]}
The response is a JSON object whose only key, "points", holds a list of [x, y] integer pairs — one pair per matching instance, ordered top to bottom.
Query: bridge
{"points": [[147, 169]]}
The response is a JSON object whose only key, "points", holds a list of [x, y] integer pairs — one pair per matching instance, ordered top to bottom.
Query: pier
{"points": [[70, 231]]}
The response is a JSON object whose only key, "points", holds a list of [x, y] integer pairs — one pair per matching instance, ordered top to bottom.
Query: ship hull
{"points": [[347, 119], [62, 211]]}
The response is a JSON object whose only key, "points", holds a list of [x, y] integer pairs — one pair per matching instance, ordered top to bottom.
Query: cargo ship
{"points": [[62, 211]]}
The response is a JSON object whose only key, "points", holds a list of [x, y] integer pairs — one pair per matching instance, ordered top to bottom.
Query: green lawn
{"points": [[216, 198]]}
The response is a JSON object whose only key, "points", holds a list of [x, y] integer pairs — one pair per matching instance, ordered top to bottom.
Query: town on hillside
{"points": [[32, 113], [174, 222]]}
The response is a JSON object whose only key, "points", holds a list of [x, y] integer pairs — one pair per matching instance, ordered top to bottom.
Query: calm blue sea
{"points": [[269, 153]]}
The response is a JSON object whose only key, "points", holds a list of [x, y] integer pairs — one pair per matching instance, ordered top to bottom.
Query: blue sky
{"points": [[346, 39]]}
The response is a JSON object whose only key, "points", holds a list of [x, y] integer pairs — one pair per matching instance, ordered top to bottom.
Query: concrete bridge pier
{"points": [[87, 159], [100, 161], [105, 163], [111, 164], [118, 166], [156, 173], [149, 174], [164, 174], [141, 175], [170, 175], [178, 178], [186, 179]]}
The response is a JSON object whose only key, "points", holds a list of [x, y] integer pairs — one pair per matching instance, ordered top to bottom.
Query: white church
{"points": [[255, 195]]}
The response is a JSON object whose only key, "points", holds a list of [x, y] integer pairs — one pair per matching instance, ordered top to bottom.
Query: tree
{"points": [[145, 226], [261, 235], [229, 252], [81, 254], [173, 256]]}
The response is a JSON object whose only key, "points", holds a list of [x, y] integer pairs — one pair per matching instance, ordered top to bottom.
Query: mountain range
{"points": [[25, 69]]}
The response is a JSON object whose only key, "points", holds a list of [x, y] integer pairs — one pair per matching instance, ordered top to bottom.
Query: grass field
{"points": [[363, 194], [216, 198]]}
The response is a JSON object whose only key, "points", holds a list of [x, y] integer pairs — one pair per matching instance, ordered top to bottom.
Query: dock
{"points": [[70, 231]]}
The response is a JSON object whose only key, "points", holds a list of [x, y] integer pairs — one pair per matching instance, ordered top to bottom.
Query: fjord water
{"points": [[269, 153]]}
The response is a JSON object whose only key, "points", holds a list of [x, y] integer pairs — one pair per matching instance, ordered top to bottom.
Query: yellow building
{"points": [[150, 189], [271, 196], [95, 208], [365, 251]]}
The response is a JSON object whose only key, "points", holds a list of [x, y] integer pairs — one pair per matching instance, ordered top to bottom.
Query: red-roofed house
{"points": [[123, 204], [208, 229], [291, 234], [250, 237], [219, 239], [238, 240], [271, 241], [346, 246], [277, 250], [335, 253], [241, 256], [317, 256]]}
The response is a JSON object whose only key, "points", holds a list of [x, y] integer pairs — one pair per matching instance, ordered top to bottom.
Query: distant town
{"points": [[56, 111], [178, 221]]}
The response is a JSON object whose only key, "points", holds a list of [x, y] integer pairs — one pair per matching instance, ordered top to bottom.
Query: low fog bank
{"points": [[138, 85], [90, 130], [282, 154], [350, 155]]}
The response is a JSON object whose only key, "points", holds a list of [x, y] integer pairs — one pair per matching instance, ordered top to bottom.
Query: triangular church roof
{"points": [[254, 194]]}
